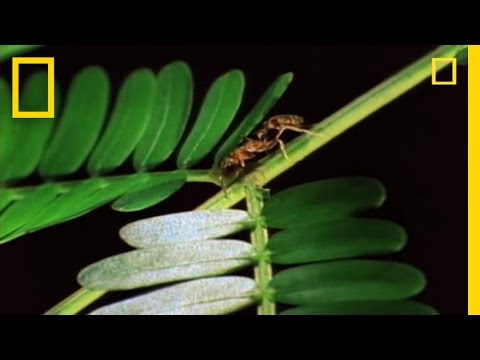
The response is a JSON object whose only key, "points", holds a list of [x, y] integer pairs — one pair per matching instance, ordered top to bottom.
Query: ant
{"points": [[280, 123], [267, 138], [233, 163]]}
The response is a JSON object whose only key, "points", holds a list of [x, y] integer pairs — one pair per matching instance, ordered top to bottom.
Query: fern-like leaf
{"points": [[145, 125], [181, 247]]}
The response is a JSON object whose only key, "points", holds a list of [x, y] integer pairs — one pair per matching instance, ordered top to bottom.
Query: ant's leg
{"points": [[298, 129], [280, 132], [280, 143], [282, 148]]}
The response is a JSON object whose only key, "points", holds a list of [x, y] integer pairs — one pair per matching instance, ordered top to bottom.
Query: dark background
{"points": [[417, 146]]}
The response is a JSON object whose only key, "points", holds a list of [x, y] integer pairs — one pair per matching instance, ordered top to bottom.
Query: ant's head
{"points": [[296, 120], [278, 121], [230, 163], [229, 170]]}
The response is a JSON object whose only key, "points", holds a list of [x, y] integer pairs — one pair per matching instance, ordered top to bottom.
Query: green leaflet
{"points": [[8, 51], [462, 57], [218, 110], [256, 114], [167, 122], [127, 123], [80, 124], [6, 128], [29, 137], [114, 189], [155, 189], [107, 191], [148, 196], [6, 198], [83, 198], [323, 200], [66, 206], [23, 210], [184, 227], [335, 240], [166, 263], [347, 280], [215, 296], [404, 307]]}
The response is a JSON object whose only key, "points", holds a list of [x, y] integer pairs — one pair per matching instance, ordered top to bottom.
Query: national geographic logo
{"points": [[453, 61], [16, 113]]}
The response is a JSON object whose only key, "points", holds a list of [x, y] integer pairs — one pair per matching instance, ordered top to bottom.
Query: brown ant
{"points": [[280, 123], [267, 138], [233, 163]]}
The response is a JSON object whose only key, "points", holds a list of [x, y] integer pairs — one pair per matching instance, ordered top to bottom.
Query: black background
{"points": [[417, 146]]}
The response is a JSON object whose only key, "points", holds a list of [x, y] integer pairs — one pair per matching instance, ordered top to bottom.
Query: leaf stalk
{"points": [[259, 239]]}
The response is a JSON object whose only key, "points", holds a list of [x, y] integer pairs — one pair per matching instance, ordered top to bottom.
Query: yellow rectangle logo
{"points": [[453, 61], [16, 113]]}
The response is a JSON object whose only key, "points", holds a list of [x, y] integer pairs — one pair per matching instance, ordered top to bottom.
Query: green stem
{"points": [[334, 125], [66, 186], [259, 238], [75, 302]]}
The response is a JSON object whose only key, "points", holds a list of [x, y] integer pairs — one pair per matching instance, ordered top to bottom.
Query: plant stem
{"points": [[331, 127], [201, 176], [66, 186], [259, 238], [75, 302]]}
